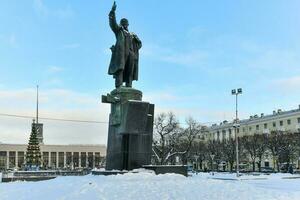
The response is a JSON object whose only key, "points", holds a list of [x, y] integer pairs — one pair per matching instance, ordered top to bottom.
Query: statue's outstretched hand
{"points": [[114, 7]]}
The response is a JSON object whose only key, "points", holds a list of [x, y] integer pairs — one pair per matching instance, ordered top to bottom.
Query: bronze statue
{"points": [[125, 53], [130, 132]]}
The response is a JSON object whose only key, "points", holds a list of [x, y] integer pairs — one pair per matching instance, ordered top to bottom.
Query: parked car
{"points": [[285, 167], [267, 169]]}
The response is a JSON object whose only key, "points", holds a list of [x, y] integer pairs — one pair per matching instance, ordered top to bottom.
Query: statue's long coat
{"points": [[127, 43]]}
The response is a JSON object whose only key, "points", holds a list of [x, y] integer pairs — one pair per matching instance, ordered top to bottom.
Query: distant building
{"points": [[287, 121], [257, 124], [12, 156], [54, 156]]}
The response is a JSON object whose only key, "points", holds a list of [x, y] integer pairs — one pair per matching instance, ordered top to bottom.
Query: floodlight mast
{"points": [[236, 92]]}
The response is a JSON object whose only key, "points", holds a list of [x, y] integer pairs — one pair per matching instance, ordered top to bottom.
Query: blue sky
{"points": [[194, 52]]}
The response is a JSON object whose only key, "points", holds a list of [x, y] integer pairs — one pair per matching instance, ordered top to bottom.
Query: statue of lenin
{"points": [[125, 53]]}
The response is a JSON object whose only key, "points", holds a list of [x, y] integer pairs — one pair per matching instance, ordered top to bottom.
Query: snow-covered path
{"points": [[146, 185]]}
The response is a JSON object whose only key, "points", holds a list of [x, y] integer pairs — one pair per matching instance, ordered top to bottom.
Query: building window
{"points": [[298, 120], [289, 122], [281, 123], [274, 124], [265, 126], [257, 127], [250, 128], [243, 129], [238, 130], [230, 133], [223, 134], [218, 135], [3, 157], [20, 158], [12, 159], [45, 159], [61, 159], [69, 159], [76, 159], [83, 159], [97, 159], [53, 160], [90, 160]]}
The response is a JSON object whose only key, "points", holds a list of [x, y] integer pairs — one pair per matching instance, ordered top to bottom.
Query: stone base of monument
{"points": [[130, 130], [164, 169]]}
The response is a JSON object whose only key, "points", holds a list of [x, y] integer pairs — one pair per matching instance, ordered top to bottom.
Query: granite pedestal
{"points": [[130, 131]]}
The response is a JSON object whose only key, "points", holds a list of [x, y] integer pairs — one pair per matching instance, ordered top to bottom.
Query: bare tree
{"points": [[166, 127], [186, 138], [297, 139], [275, 141], [250, 145], [262, 148], [199, 149], [214, 149], [288, 149], [229, 152]]}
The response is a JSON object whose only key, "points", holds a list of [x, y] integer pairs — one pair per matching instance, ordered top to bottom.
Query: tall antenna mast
{"points": [[37, 104]]}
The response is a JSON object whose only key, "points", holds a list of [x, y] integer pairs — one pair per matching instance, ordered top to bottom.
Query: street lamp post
{"points": [[236, 92]]}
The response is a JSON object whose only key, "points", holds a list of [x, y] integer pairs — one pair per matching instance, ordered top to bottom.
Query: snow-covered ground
{"points": [[146, 185]]}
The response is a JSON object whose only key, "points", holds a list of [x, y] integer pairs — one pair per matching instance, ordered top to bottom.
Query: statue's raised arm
{"points": [[112, 19]]}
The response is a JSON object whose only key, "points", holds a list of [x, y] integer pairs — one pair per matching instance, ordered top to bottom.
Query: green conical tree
{"points": [[33, 153]]}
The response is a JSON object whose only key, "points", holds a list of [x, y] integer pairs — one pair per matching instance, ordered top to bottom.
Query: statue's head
{"points": [[124, 23]]}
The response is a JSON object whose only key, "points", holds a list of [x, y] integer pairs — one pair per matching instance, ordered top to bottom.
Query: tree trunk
{"points": [[274, 162], [200, 164], [253, 165], [259, 165], [231, 166]]}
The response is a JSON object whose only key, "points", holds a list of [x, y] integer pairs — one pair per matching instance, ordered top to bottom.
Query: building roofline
{"points": [[280, 114]]}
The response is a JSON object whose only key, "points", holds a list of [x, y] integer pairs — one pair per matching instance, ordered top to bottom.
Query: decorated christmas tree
{"points": [[33, 153]]}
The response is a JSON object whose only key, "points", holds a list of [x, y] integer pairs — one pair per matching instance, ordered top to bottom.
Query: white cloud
{"points": [[42, 9], [190, 57], [275, 60], [55, 69], [54, 82], [288, 84], [24, 95], [161, 96], [55, 103], [68, 104], [202, 115]]}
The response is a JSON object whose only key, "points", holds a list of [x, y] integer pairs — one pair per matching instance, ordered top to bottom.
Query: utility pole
{"points": [[236, 92], [37, 104]]}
